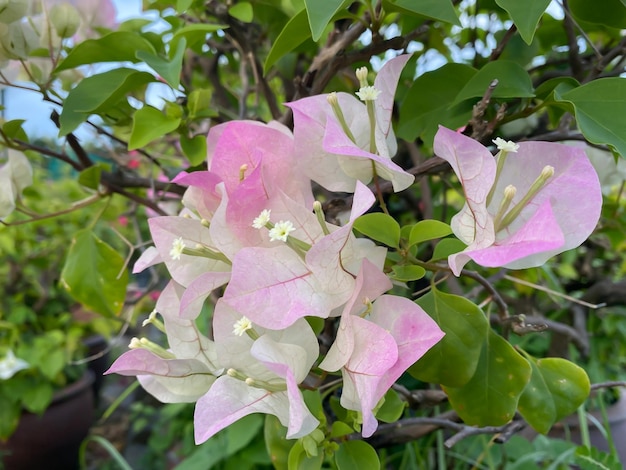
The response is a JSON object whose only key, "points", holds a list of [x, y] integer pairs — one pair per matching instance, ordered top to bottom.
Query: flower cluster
{"points": [[250, 222], [252, 227]]}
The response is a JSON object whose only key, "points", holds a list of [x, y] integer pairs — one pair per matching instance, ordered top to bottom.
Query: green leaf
{"points": [[183, 5], [442, 10], [242, 11], [609, 13], [320, 14], [525, 15], [295, 32], [195, 34], [118, 46], [168, 69], [513, 82], [98, 93], [199, 104], [600, 108], [421, 113], [149, 124], [13, 129], [194, 148], [90, 177], [380, 227], [426, 230], [446, 247], [408, 273], [95, 274], [453, 360], [559, 385], [491, 396], [37, 398], [392, 408], [9, 416], [340, 429], [276, 442], [353, 455], [298, 459], [594, 459]]}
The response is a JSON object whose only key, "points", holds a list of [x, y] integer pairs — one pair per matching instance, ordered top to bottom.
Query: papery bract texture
{"points": [[329, 157], [559, 217], [276, 286], [376, 342], [281, 359], [182, 378]]}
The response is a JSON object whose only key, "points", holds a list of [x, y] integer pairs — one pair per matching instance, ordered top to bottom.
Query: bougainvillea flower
{"points": [[335, 160], [251, 167], [15, 175], [538, 200], [276, 286], [376, 342], [11, 365], [181, 374], [262, 375]]}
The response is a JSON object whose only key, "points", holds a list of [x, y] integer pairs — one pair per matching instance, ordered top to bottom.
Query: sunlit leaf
{"points": [[442, 10], [320, 14], [525, 15], [295, 32], [118, 46], [168, 68], [513, 82], [98, 93], [600, 108], [149, 124], [380, 227], [426, 230], [94, 274]]}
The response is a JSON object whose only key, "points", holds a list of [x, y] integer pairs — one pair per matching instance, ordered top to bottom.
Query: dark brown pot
{"points": [[51, 441]]}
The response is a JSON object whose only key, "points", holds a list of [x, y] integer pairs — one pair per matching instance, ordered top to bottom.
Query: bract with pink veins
{"points": [[329, 157], [560, 216], [274, 287], [374, 348], [279, 358], [187, 376]]}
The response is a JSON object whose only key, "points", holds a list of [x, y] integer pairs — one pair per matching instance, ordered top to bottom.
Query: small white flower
{"points": [[361, 75], [368, 93], [506, 145], [262, 220], [281, 230], [178, 246], [241, 326], [10, 365]]}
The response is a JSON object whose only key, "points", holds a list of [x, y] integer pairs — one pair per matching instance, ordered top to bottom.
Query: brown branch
{"points": [[497, 52], [575, 61], [478, 125], [74, 144], [50, 153]]}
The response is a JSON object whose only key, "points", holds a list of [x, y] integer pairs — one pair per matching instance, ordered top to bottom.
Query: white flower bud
{"points": [[12, 10], [65, 19]]}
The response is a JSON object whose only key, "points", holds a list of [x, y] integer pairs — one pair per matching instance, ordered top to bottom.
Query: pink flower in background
{"points": [[540, 200]]}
